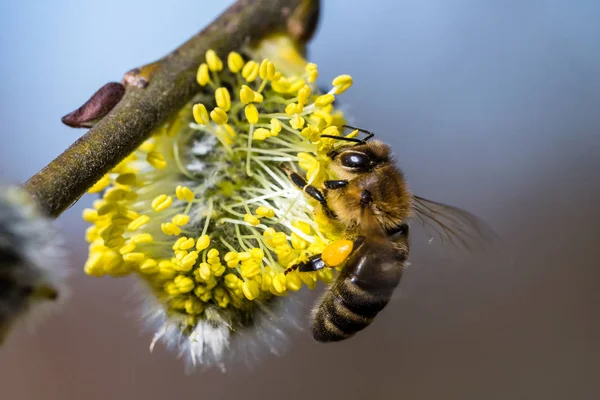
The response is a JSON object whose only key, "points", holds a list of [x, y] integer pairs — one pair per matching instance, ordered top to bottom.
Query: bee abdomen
{"points": [[346, 309]]}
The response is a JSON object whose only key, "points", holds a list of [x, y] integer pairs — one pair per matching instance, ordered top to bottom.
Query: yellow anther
{"points": [[214, 62], [235, 62], [309, 67], [266, 70], [250, 71], [203, 76], [312, 76], [342, 83], [281, 85], [296, 86], [246, 94], [303, 94], [223, 98], [324, 100], [292, 109], [251, 113], [200, 114], [219, 116], [297, 122], [275, 126], [331, 131], [311, 132], [261, 134], [352, 134], [148, 145], [156, 159], [128, 179], [100, 185], [184, 192], [115, 194], [161, 202], [265, 212], [90, 215], [180, 219], [251, 219], [138, 222], [303, 226], [170, 229], [142, 238], [279, 238], [203, 242], [297, 242], [178, 243], [187, 244], [128, 248], [337, 252], [212, 253], [257, 253], [179, 254], [135, 258], [188, 261], [233, 262], [149, 267], [166, 269], [250, 269], [204, 271], [326, 274], [309, 279], [232, 281], [293, 282], [184, 284], [279, 284], [171, 288], [251, 290], [193, 307]]}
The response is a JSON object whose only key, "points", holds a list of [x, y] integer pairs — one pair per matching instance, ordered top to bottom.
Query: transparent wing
{"points": [[453, 226]]}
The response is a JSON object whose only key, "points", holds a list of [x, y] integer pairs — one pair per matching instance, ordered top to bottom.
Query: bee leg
{"points": [[333, 185], [310, 190], [314, 263]]}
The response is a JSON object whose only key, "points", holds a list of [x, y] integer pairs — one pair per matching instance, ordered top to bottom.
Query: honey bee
{"points": [[371, 201]]}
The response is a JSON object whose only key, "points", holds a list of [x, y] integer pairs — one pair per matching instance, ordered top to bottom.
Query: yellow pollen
{"points": [[214, 62], [235, 62], [266, 70], [250, 71], [203, 76], [342, 83], [303, 94], [223, 98], [324, 100], [251, 113], [200, 114], [218, 116], [297, 122], [275, 126], [261, 133], [156, 159], [100, 185], [184, 193], [161, 202], [266, 212], [180, 219], [251, 219], [138, 222], [170, 229], [142, 238], [203, 242], [135, 258], [149, 266], [184, 284], [250, 289]]}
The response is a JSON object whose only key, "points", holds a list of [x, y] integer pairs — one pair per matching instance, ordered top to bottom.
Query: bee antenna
{"points": [[352, 140]]}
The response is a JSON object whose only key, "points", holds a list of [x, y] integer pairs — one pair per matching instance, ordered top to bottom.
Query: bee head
{"points": [[360, 158]]}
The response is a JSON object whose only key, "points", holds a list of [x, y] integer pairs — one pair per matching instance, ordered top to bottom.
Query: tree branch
{"points": [[154, 92]]}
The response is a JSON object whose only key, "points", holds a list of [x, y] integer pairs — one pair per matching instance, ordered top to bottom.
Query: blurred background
{"points": [[491, 106]]}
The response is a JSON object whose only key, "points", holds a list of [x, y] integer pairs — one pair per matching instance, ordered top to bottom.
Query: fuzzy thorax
{"points": [[203, 213]]}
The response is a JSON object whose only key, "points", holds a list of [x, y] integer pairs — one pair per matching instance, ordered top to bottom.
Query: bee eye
{"points": [[354, 160]]}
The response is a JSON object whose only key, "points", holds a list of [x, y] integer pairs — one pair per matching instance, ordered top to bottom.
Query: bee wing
{"points": [[453, 226]]}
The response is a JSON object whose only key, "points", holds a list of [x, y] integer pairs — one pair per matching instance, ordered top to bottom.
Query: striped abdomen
{"points": [[362, 290]]}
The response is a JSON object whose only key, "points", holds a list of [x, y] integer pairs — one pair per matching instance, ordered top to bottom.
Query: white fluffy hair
{"points": [[31, 257], [215, 341]]}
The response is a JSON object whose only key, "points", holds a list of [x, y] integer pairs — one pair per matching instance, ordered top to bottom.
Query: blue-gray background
{"points": [[489, 105]]}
